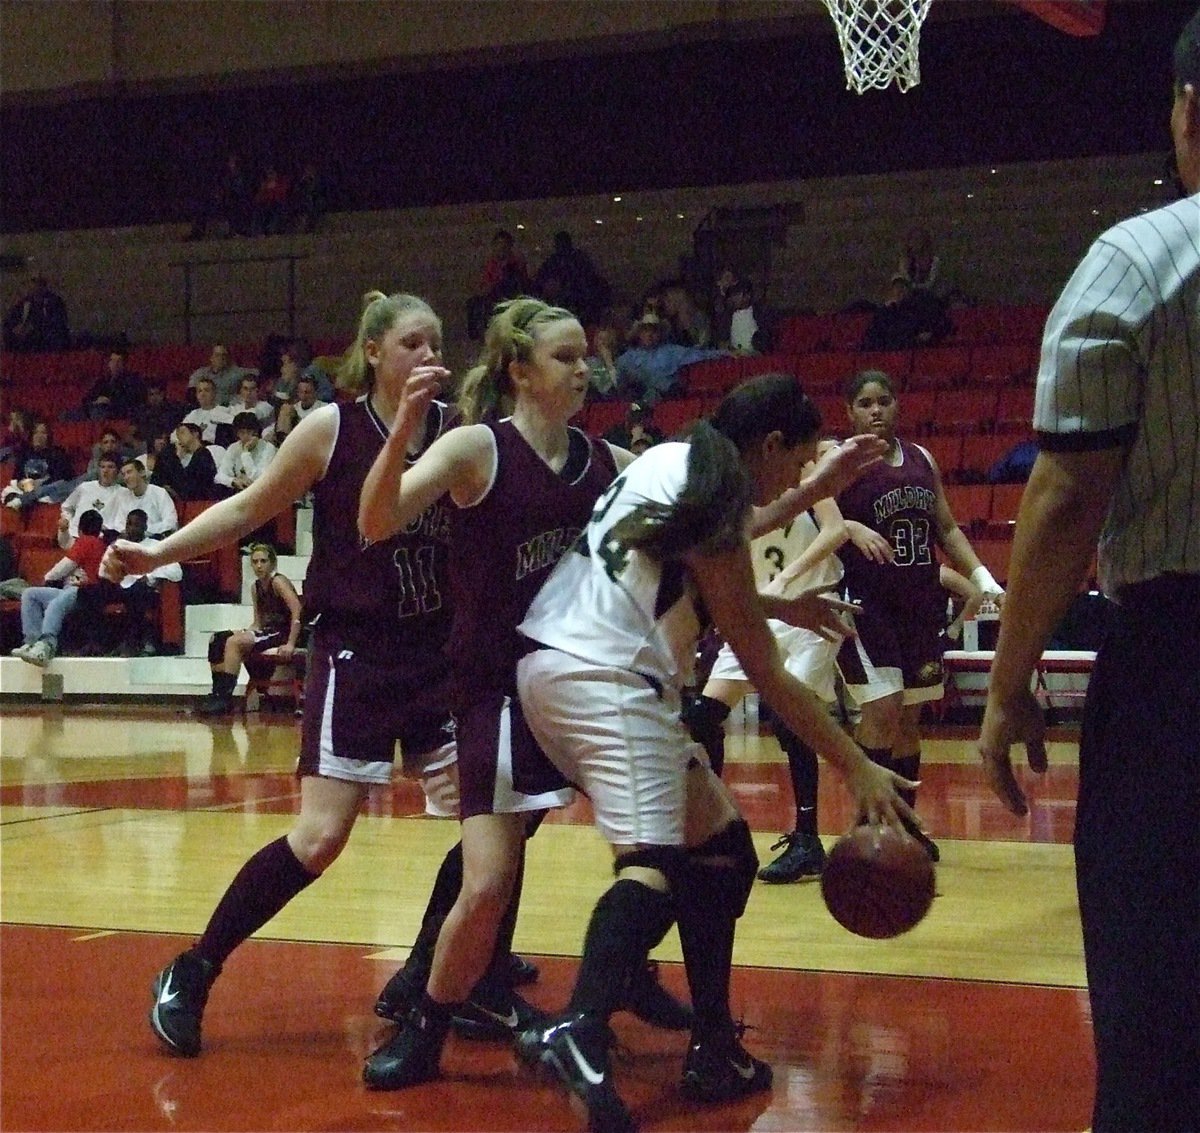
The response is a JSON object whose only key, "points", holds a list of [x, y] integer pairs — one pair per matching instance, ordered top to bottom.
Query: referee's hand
{"points": [[1005, 723]]}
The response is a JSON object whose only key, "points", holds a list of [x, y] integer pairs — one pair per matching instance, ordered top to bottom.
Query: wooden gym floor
{"points": [[119, 830]]}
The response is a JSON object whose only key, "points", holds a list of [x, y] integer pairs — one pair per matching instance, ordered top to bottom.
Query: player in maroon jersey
{"points": [[524, 486], [382, 620], [894, 665]]}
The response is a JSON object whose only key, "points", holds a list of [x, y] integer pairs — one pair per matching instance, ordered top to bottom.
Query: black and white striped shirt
{"points": [[1120, 366]]}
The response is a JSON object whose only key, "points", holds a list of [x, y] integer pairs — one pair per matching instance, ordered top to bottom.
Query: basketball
{"points": [[877, 882]]}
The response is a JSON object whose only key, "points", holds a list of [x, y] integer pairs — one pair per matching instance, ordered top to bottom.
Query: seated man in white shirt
{"points": [[247, 401], [304, 402], [215, 421], [245, 459], [138, 492], [91, 495], [136, 593]]}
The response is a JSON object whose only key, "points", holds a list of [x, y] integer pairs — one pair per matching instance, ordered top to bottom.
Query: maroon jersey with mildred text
{"points": [[900, 502], [504, 547]]}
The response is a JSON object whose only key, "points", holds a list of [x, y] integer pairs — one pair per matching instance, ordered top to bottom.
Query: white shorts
{"points": [[809, 657], [617, 738]]}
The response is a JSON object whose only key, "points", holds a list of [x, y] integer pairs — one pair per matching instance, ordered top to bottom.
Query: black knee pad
{"points": [[216, 646], [705, 719], [670, 861], [725, 866]]}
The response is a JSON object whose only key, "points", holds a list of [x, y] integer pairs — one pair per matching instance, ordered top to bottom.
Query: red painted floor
{"points": [[288, 1025]]}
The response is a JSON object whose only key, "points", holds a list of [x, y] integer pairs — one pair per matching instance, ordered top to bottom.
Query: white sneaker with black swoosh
{"points": [[180, 993], [575, 1048], [718, 1068]]}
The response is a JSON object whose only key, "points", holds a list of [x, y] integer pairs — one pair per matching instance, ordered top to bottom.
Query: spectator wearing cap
{"points": [[750, 325], [648, 371], [245, 459]]}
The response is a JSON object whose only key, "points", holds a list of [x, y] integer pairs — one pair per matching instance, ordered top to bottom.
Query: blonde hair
{"points": [[380, 313], [486, 389], [267, 550]]}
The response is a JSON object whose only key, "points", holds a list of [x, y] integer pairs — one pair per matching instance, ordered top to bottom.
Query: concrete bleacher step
{"points": [[304, 521], [106, 678]]}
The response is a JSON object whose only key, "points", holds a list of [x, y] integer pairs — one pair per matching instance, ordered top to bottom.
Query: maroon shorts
{"points": [[898, 648], [356, 710], [501, 768]]}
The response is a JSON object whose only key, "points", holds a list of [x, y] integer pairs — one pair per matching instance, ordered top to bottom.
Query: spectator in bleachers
{"points": [[310, 198], [227, 200], [271, 200], [919, 265], [505, 272], [568, 278], [908, 317], [38, 320], [690, 326], [749, 328], [602, 363], [648, 370], [224, 373], [118, 392], [248, 401], [293, 411], [158, 416], [215, 420], [636, 433], [14, 434], [111, 444], [245, 459], [186, 468], [41, 469], [138, 492], [92, 494], [136, 594], [45, 608], [276, 625]]}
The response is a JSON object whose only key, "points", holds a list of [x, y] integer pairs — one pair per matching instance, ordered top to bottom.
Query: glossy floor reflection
{"points": [[119, 831]]}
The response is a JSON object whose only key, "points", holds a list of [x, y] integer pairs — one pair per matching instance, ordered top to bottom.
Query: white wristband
{"points": [[982, 577]]}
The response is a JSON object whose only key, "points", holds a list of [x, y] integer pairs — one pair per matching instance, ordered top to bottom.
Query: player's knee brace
{"points": [[216, 646], [670, 861], [724, 867]]}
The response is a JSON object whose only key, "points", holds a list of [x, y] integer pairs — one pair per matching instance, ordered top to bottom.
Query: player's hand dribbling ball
{"points": [[877, 882]]}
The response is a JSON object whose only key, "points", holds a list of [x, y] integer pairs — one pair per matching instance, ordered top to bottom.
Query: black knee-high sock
{"points": [[705, 719], [910, 767], [803, 768], [267, 882], [446, 887], [707, 913], [628, 920]]}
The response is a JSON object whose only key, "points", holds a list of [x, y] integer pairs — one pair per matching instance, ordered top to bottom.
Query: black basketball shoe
{"points": [[803, 856], [522, 971], [180, 993], [401, 994], [652, 1003], [493, 1013], [575, 1049], [410, 1057], [718, 1068]]}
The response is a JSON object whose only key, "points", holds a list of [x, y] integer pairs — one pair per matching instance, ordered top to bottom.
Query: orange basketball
{"points": [[877, 882]]}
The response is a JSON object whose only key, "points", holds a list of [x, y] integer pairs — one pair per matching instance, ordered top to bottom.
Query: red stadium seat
{"points": [[1002, 363], [938, 367], [1014, 409], [963, 410], [971, 505]]}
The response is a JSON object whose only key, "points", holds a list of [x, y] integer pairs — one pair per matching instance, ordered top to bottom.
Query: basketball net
{"points": [[880, 41]]}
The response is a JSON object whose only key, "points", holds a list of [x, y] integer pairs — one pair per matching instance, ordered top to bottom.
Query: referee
{"points": [[1118, 422]]}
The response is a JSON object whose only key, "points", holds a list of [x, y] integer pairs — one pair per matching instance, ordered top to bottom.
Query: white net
{"points": [[880, 41]]}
